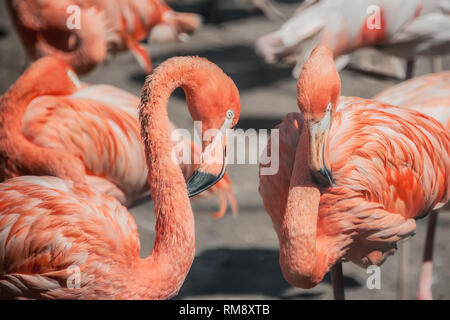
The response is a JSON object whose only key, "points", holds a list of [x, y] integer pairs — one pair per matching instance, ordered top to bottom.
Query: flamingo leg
{"points": [[409, 69], [426, 272], [337, 280], [402, 285], [424, 291]]}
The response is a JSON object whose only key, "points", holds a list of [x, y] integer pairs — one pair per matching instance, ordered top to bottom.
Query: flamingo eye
{"points": [[328, 107], [230, 114]]}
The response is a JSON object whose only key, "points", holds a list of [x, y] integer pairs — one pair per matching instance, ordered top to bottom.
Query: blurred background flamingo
{"points": [[105, 28], [404, 28], [85, 133], [362, 210], [49, 226]]}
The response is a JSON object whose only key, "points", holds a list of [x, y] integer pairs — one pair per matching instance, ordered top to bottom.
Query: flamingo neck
{"points": [[15, 148], [298, 249], [173, 253]]}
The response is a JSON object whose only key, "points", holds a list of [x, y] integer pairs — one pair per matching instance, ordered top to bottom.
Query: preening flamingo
{"points": [[105, 28], [404, 28], [429, 94], [52, 124], [354, 174], [51, 228]]}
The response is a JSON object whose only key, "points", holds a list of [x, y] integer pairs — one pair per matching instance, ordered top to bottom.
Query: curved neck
{"points": [[15, 149], [298, 248], [173, 253]]}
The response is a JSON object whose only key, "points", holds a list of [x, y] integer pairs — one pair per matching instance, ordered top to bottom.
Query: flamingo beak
{"points": [[318, 136], [213, 160], [209, 172]]}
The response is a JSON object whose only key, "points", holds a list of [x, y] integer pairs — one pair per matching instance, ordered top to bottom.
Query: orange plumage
{"points": [[106, 27], [85, 133], [389, 165], [54, 232]]}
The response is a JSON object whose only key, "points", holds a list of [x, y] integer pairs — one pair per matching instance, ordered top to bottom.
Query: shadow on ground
{"points": [[217, 11], [247, 72], [226, 271]]}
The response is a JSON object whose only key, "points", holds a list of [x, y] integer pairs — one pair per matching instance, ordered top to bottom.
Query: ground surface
{"points": [[237, 258]]}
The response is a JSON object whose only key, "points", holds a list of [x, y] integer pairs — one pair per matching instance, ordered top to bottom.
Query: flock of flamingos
{"points": [[354, 174]]}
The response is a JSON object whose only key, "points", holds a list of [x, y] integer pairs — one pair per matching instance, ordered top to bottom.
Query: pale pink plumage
{"points": [[406, 28], [429, 94]]}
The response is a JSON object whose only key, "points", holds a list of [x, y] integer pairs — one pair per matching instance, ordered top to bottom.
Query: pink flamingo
{"points": [[105, 27], [403, 28], [429, 94], [85, 133], [354, 174], [51, 229]]}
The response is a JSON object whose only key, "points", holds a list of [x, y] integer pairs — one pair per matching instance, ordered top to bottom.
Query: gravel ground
{"points": [[237, 258]]}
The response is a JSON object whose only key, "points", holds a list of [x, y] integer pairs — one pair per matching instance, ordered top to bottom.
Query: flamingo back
{"points": [[404, 28], [429, 94], [97, 125], [395, 156], [51, 228]]}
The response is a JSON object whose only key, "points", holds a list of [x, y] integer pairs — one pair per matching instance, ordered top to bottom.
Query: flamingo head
{"points": [[175, 26], [295, 40], [318, 91], [213, 101]]}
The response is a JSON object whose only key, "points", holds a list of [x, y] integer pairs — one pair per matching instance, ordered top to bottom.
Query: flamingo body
{"points": [[106, 27], [404, 28], [429, 94], [96, 128], [389, 165], [70, 220], [62, 239]]}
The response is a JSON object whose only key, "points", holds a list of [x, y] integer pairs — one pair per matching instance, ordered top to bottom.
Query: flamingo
{"points": [[105, 28], [403, 28], [429, 94], [81, 132], [354, 174], [52, 229]]}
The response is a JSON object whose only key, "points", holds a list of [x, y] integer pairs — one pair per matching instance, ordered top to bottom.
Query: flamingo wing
{"points": [[429, 94], [97, 125], [397, 157], [389, 169], [49, 228]]}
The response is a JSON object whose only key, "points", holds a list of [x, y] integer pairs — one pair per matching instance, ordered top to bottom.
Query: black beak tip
{"points": [[323, 178], [201, 181]]}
